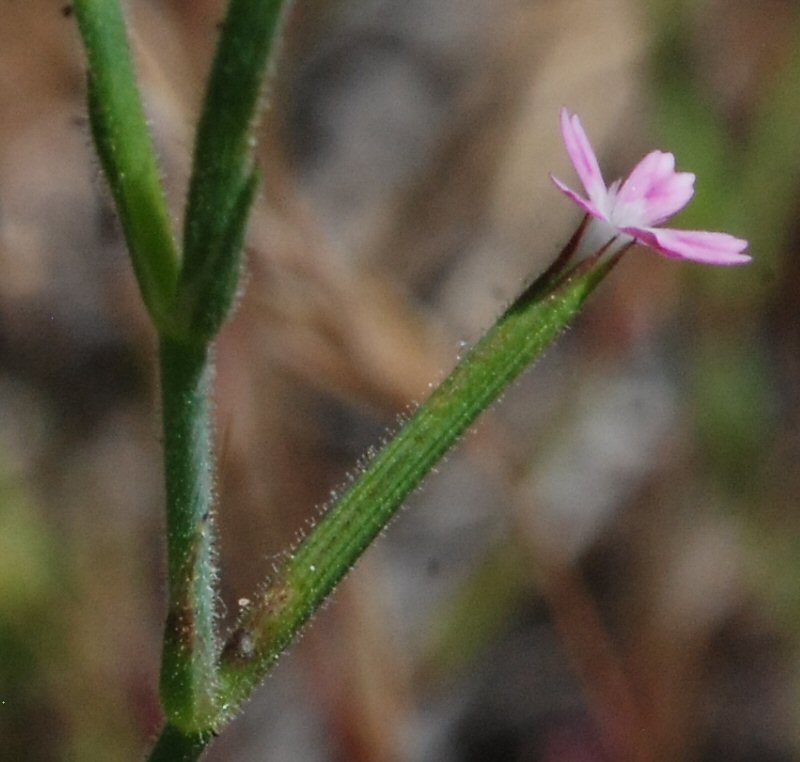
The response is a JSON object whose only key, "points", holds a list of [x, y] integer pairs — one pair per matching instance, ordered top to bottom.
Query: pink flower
{"points": [[650, 195]]}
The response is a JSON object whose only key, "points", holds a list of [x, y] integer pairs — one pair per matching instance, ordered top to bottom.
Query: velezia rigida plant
{"points": [[188, 289]]}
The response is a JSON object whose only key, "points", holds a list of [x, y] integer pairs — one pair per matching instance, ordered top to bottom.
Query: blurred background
{"points": [[608, 570]]}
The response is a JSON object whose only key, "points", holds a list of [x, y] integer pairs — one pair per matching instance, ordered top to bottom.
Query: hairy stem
{"points": [[348, 527], [188, 668]]}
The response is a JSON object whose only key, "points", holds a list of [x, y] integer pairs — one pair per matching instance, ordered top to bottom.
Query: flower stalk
{"points": [[347, 528]]}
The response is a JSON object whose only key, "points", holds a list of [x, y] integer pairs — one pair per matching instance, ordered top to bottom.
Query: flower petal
{"points": [[583, 157], [653, 191], [587, 206], [696, 245]]}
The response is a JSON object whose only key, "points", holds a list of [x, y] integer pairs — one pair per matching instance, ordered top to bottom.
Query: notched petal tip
{"points": [[582, 156], [653, 191]]}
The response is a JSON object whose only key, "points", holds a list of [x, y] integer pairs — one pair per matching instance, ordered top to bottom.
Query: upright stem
{"points": [[122, 140], [188, 667]]}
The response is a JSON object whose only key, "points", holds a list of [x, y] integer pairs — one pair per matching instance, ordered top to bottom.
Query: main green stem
{"points": [[188, 667]]}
